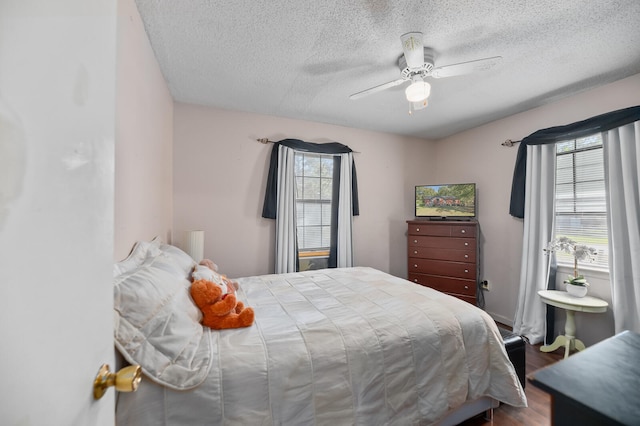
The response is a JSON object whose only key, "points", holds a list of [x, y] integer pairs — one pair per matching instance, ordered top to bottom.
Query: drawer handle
{"points": [[417, 229], [463, 231], [415, 241], [466, 244], [415, 252], [466, 256], [415, 266], [466, 271], [415, 280], [466, 287]]}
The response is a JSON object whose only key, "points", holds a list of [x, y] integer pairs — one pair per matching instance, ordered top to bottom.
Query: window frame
{"points": [[321, 251], [565, 261]]}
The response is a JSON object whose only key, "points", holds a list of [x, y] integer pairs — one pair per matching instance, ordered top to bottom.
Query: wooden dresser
{"points": [[444, 255]]}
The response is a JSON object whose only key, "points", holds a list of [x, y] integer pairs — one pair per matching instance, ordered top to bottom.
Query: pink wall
{"points": [[144, 139], [477, 155], [220, 172]]}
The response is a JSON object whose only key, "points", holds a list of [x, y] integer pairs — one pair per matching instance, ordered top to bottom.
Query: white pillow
{"points": [[138, 254], [157, 325]]}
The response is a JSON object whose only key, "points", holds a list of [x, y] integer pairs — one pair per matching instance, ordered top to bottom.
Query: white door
{"points": [[57, 88]]}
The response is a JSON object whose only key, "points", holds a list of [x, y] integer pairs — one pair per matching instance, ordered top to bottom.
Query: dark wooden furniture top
{"points": [[599, 386]]}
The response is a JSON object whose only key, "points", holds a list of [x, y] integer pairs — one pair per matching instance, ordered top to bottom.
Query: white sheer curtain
{"points": [[622, 179], [345, 213], [538, 228], [286, 239]]}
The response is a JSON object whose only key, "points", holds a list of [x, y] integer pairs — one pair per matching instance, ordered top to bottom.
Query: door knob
{"points": [[125, 380]]}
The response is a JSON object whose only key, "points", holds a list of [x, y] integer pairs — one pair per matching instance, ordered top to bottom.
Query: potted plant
{"points": [[577, 285]]}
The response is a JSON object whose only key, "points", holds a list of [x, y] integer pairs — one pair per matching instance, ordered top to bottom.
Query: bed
{"points": [[335, 346]]}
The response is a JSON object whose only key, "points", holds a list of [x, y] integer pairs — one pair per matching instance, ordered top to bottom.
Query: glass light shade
{"points": [[418, 91]]}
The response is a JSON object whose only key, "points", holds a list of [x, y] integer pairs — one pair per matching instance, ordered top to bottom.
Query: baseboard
{"points": [[501, 319]]}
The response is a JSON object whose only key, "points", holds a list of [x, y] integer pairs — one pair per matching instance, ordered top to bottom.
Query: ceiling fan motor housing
{"points": [[424, 70]]}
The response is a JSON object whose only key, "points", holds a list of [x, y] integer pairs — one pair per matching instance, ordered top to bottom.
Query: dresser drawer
{"points": [[443, 230], [442, 242], [444, 255], [468, 255], [442, 267], [445, 284], [468, 299]]}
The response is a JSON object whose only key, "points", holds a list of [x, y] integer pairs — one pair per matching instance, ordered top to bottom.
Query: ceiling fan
{"points": [[416, 64]]}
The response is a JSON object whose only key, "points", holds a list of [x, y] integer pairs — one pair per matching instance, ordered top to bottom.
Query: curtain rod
{"points": [[266, 141], [509, 143]]}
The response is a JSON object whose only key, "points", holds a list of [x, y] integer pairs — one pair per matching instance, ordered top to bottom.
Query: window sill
{"points": [[313, 254], [584, 270]]}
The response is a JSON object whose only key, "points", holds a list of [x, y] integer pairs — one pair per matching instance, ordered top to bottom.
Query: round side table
{"points": [[571, 305]]}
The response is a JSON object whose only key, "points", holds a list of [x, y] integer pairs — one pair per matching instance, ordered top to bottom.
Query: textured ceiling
{"points": [[303, 58]]}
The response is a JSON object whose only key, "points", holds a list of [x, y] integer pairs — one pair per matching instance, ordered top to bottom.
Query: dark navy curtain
{"points": [[580, 129]]}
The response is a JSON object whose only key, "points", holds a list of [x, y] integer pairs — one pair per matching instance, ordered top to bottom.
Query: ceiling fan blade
{"points": [[413, 49], [465, 67], [378, 88]]}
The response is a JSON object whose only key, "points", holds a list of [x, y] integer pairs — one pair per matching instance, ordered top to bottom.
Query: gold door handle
{"points": [[125, 380]]}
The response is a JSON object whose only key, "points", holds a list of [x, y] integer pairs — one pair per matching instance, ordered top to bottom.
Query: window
{"points": [[314, 186], [580, 198]]}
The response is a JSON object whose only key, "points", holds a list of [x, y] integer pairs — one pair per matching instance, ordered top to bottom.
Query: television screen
{"points": [[451, 201]]}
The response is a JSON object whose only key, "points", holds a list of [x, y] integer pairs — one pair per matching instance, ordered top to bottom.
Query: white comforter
{"points": [[339, 347]]}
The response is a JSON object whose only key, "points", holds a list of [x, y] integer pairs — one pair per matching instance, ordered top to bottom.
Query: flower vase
{"points": [[577, 290]]}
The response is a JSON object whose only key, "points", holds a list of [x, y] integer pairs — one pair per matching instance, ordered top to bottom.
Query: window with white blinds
{"points": [[314, 185], [580, 198]]}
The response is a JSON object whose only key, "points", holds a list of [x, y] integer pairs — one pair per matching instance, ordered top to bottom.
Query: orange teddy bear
{"points": [[220, 309]]}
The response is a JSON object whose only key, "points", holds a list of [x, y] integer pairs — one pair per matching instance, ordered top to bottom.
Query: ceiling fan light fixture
{"points": [[417, 63], [418, 91]]}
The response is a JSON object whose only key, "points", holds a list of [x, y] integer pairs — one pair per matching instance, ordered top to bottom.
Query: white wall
{"points": [[144, 139], [477, 155], [220, 172]]}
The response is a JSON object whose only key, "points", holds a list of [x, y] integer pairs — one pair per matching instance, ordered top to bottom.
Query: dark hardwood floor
{"points": [[538, 413]]}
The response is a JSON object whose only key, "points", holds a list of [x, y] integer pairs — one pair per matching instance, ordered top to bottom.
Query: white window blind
{"points": [[314, 184], [580, 198]]}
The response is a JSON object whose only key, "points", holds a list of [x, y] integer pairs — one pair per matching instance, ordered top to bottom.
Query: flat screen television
{"points": [[454, 201]]}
